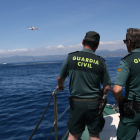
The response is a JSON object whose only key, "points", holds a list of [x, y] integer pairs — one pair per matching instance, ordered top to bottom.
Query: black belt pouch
{"points": [[137, 107], [128, 109]]}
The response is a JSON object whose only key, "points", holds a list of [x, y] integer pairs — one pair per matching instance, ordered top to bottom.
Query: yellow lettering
{"points": [[74, 58], [78, 58], [83, 59], [87, 59], [139, 59], [90, 60], [94, 61], [136, 61], [97, 62], [79, 63], [85, 64], [89, 65]]}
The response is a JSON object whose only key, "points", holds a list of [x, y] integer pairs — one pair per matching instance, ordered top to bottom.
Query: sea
{"points": [[25, 90]]}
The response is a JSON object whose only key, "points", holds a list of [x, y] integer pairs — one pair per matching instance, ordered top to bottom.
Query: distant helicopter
{"points": [[33, 28]]}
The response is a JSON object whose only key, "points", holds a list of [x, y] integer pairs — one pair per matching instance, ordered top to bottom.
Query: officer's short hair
{"points": [[133, 34], [91, 39], [90, 44]]}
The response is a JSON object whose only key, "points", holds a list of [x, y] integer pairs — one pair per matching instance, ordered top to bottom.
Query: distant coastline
{"points": [[103, 53]]}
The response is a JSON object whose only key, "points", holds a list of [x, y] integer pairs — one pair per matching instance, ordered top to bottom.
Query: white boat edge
{"points": [[110, 128]]}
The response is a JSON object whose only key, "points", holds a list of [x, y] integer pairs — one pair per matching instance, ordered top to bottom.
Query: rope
{"points": [[64, 112], [40, 119], [50, 132]]}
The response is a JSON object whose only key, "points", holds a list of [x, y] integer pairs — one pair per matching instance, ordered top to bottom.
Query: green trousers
{"points": [[85, 113], [128, 127]]}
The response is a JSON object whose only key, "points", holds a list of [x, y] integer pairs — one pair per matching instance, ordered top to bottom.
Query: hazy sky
{"points": [[63, 24]]}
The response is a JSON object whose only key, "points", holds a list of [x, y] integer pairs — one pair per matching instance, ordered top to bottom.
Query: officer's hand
{"points": [[60, 88], [121, 98]]}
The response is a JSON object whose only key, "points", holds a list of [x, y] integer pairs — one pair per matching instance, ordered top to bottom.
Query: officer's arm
{"points": [[62, 75], [121, 78], [106, 81], [120, 81], [60, 83], [106, 89], [117, 91]]}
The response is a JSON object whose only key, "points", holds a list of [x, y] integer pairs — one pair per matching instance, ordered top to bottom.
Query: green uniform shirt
{"points": [[86, 72], [128, 74]]}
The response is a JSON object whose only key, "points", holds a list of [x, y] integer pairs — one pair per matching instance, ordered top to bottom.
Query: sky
{"points": [[63, 24]]}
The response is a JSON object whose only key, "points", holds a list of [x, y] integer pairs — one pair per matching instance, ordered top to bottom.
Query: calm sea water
{"points": [[25, 89]]}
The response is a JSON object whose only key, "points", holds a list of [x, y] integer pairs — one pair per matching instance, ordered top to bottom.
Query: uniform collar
{"points": [[88, 50], [136, 50]]}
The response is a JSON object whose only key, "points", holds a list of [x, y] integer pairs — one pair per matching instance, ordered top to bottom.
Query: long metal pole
{"points": [[55, 115]]}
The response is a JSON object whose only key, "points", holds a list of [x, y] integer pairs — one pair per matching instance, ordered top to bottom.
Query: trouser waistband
{"points": [[82, 99]]}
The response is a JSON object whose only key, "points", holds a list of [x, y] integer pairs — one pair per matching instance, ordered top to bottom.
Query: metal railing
{"points": [[55, 112], [55, 125]]}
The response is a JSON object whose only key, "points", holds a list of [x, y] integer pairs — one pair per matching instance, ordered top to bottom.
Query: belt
{"points": [[90, 99]]}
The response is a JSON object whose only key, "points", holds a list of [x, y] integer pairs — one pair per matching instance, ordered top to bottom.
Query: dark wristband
{"points": [[61, 87]]}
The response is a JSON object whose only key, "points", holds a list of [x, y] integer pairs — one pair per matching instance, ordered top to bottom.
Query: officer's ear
{"points": [[129, 42], [97, 45], [129, 47]]}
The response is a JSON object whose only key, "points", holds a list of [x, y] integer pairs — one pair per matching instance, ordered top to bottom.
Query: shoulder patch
{"points": [[73, 52], [126, 56], [101, 57], [119, 70]]}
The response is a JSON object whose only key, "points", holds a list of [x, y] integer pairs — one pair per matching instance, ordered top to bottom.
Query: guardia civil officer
{"points": [[86, 72], [128, 75]]}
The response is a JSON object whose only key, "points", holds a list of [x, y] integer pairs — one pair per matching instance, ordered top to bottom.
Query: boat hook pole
{"points": [[55, 112]]}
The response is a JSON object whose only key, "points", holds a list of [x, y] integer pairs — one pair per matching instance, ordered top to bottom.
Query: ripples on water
{"points": [[25, 89]]}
